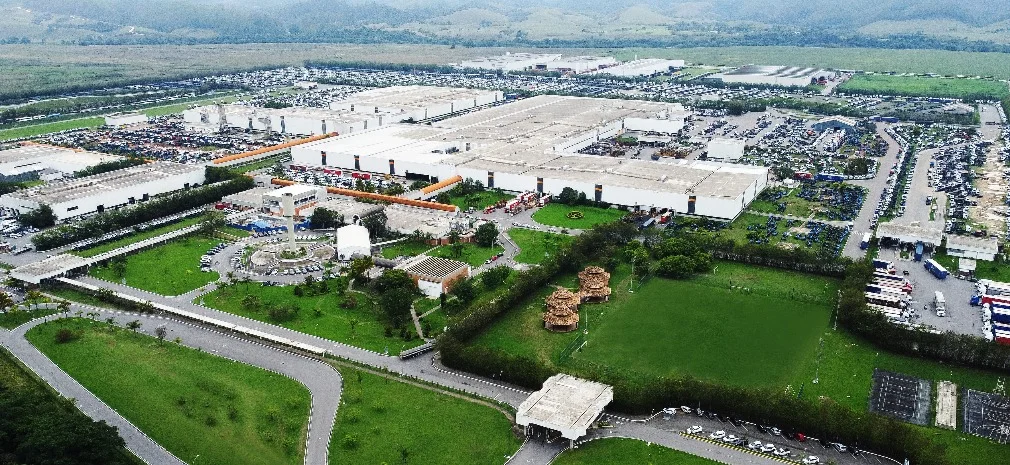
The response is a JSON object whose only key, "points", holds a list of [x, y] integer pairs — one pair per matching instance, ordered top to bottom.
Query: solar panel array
{"points": [[900, 396]]}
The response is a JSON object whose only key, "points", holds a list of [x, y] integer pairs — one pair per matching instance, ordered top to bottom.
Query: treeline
{"points": [[108, 87], [965, 97], [106, 166], [109, 221], [638, 393]]}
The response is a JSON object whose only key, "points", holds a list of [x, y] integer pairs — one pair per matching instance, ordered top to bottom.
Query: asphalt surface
{"points": [[875, 188], [321, 379]]}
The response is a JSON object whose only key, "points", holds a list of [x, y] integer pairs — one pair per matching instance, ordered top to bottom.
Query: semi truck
{"points": [[829, 177], [865, 243], [918, 251], [883, 265], [937, 269], [890, 277], [903, 287], [884, 290], [939, 304]]}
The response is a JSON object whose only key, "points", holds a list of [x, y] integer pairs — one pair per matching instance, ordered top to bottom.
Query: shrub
{"points": [[65, 335], [349, 442]]}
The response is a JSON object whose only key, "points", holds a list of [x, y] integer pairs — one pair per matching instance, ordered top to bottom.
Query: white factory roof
{"points": [[510, 60], [642, 67], [790, 72], [413, 97], [34, 157], [73, 189], [294, 189], [249, 198], [346, 206], [406, 219], [910, 234], [353, 235], [984, 245], [566, 404]]}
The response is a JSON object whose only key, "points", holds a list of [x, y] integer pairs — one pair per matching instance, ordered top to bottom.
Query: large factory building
{"points": [[787, 76], [533, 144]]}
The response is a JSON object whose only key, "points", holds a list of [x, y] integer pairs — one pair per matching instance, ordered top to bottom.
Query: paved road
{"points": [[875, 188], [321, 379]]}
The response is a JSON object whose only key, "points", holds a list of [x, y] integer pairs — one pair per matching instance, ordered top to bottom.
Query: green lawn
{"points": [[926, 86], [46, 128], [260, 164], [482, 200], [795, 206], [555, 214], [137, 237], [535, 246], [406, 248], [473, 254], [169, 269], [319, 315], [13, 319], [203, 409], [379, 418], [620, 451]]}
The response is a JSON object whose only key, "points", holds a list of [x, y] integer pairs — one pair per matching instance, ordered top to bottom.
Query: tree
{"points": [[568, 196], [443, 198], [42, 217], [323, 218], [212, 220], [375, 224], [486, 234], [456, 248], [118, 266], [675, 267], [358, 268], [495, 276], [394, 279], [464, 290], [105, 294], [32, 298], [6, 301], [251, 302], [395, 305], [62, 306], [145, 307], [283, 313], [133, 325], [161, 331]]}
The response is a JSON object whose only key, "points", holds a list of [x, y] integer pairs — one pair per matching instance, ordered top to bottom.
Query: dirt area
{"points": [[991, 209], [946, 405]]}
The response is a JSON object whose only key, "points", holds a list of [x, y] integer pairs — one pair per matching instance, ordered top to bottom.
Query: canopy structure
{"points": [[594, 284], [562, 311], [565, 404]]}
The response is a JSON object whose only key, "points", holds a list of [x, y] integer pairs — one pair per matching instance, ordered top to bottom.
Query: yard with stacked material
{"points": [[926, 86], [555, 214], [169, 269], [343, 316], [741, 325], [202, 408], [383, 420], [627, 451]]}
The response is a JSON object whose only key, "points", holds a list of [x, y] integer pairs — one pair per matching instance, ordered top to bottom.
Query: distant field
{"points": [[925, 86], [46, 128]]}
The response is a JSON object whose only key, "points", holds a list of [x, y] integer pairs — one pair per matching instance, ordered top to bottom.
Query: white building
{"points": [[511, 62], [581, 64], [643, 67], [788, 76], [415, 103], [125, 119], [532, 145], [729, 150], [32, 158], [95, 194], [304, 196], [353, 241], [978, 248], [433, 275], [565, 404]]}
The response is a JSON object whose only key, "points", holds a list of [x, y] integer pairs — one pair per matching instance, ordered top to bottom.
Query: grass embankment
{"points": [[926, 86], [479, 201], [554, 214], [136, 237], [536, 246], [406, 248], [471, 253], [169, 269], [319, 315], [203, 409], [386, 421], [619, 451]]}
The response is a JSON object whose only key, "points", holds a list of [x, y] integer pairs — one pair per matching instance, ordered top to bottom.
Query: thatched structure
{"points": [[594, 284], [562, 311]]}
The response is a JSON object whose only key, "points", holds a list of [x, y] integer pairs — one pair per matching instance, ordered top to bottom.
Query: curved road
{"points": [[321, 379]]}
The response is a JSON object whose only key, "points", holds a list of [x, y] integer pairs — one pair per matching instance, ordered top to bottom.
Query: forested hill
{"points": [[950, 24]]}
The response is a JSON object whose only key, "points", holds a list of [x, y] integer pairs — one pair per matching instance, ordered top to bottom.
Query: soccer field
{"points": [[735, 336]]}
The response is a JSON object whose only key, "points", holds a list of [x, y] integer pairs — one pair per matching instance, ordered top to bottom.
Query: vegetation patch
{"points": [[969, 89], [560, 215], [137, 237], [535, 246], [470, 253], [169, 269], [202, 408], [620, 451]]}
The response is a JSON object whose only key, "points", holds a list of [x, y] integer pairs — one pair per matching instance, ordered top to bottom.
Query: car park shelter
{"points": [[532, 145], [94, 194], [909, 234], [353, 241], [979, 248], [51, 267], [434, 275], [565, 404]]}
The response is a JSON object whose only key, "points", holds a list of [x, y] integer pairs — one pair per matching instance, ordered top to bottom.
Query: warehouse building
{"points": [[511, 62], [580, 64], [642, 68], [787, 76], [416, 103], [125, 119], [532, 145], [729, 150], [29, 160], [95, 194], [978, 248], [434, 275]]}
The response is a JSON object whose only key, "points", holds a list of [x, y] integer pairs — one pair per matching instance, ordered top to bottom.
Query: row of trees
{"points": [[106, 166], [109, 221]]}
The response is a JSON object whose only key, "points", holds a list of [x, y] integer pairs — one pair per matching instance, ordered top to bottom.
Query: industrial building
{"points": [[511, 62], [580, 64], [643, 67], [787, 76], [359, 112], [125, 119], [836, 122], [532, 145], [729, 150], [29, 160], [95, 194], [304, 196], [353, 241], [978, 248], [434, 275], [565, 404]]}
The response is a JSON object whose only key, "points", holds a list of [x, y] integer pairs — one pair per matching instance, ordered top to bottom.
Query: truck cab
{"points": [[940, 303]]}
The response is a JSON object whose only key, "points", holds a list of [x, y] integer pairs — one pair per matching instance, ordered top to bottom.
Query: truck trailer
{"points": [[937, 269]]}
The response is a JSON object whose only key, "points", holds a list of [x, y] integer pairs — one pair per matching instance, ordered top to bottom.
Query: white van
{"points": [[940, 303]]}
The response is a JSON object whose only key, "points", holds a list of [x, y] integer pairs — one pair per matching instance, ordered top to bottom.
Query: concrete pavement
{"points": [[875, 188]]}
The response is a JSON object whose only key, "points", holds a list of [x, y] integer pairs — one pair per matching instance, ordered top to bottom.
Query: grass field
{"points": [[926, 86], [46, 128], [260, 164], [483, 199], [795, 206], [555, 214], [136, 237], [535, 246], [406, 248], [473, 254], [169, 269], [74, 295], [319, 315], [13, 319], [203, 409], [380, 418], [620, 451]]}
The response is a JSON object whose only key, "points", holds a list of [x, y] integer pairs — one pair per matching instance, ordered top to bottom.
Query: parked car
{"points": [[693, 430], [717, 435], [811, 460]]}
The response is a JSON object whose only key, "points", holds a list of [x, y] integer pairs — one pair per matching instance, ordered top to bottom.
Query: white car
{"points": [[693, 430], [717, 435], [730, 438], [756, 445], [769, 447], [781, 452], [811, 460]]}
